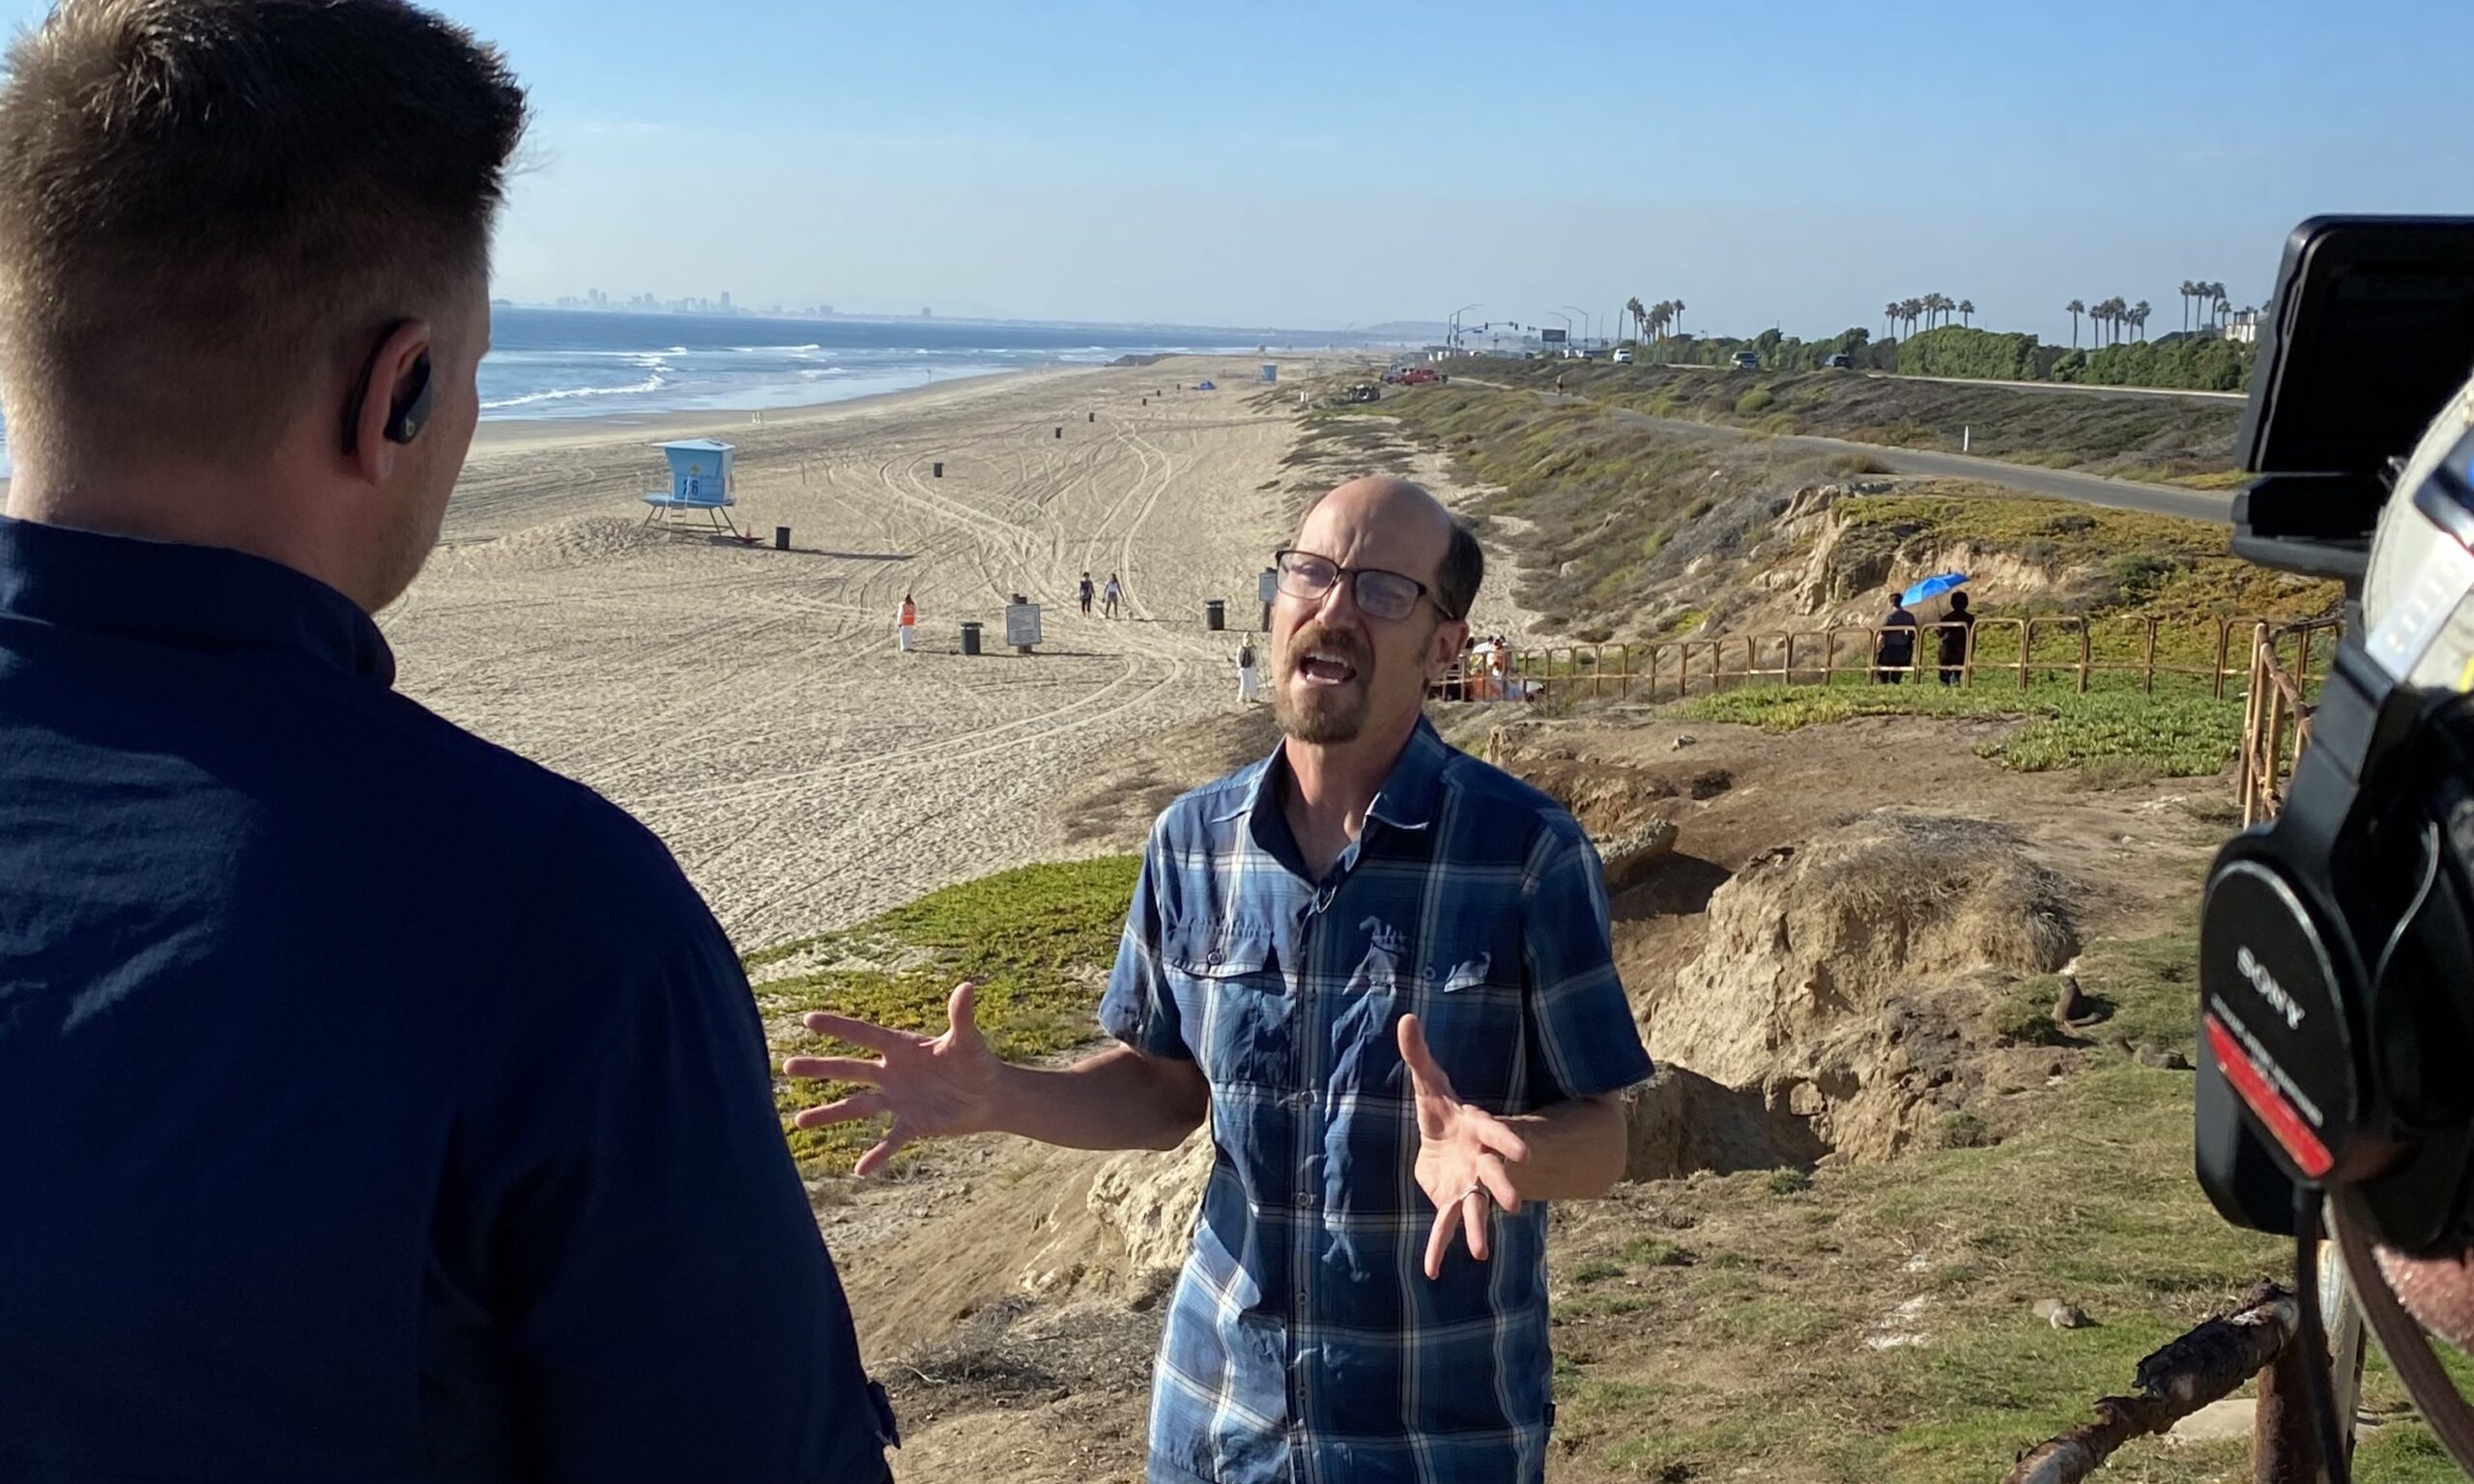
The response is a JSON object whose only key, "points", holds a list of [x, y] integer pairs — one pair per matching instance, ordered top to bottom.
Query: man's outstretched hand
{"points": [[933, 1086], [1465, 1153]]}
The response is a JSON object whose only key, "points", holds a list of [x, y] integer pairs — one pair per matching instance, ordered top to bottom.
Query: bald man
{"points": [[1383, 969]]}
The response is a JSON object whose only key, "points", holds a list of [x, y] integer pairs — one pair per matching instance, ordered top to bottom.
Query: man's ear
{"points": [[390, 378], [1443, 650]]}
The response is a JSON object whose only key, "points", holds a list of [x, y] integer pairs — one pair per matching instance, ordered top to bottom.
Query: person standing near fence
{"points": [[906, 620], [1958, 632], [1894, 652], [1248, 674]]}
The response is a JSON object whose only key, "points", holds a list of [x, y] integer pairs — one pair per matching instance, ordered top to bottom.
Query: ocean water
{"points": [[581, 363], [570, 364]]}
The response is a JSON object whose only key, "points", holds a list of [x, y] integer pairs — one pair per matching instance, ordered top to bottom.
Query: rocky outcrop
{"points": [[1631, 856], [1838, 976], [1147, 1200]]}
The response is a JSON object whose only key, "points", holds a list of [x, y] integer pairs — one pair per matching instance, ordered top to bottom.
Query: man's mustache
{"points": [[1344, 645]]}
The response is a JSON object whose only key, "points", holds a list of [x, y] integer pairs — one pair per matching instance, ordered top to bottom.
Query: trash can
{"points": [[936, 470], [781, 538], [1215, 614], [970, 639]]}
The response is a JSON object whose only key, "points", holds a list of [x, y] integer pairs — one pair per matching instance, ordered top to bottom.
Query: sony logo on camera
{"points": [[2270, 990]]}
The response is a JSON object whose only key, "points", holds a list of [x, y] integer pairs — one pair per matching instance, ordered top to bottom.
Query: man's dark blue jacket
{"points": [[374, 1104]]}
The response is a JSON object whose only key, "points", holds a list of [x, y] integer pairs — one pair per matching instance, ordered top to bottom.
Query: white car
{"points": [[1623, 357]]}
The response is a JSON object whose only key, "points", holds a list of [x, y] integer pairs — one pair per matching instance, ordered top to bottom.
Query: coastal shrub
{"points": [[1753, 401], [1037, 941]]}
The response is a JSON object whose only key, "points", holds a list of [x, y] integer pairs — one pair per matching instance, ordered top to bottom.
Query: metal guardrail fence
{"points": [[2000, 651], [2276, 724]]}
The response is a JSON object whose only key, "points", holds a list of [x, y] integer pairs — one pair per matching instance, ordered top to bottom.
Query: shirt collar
{"points": [[198, 597], [1406, 801]]}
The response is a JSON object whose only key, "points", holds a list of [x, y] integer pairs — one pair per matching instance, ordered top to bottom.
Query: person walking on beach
{"points": [[1085, 593], [1114, 595], [904, 620], [1957, 632], [1894, 651], [1248, 683], [1383, 969], [303, 1179]]}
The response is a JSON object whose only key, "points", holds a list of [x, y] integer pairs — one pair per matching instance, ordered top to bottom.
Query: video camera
{"points": [[2337, 943]]}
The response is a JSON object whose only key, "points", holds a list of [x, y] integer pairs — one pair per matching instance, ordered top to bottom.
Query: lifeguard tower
{"points": [[700, 482]]}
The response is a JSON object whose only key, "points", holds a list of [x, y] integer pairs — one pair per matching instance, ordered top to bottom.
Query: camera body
{"points": [[2337, 943]]}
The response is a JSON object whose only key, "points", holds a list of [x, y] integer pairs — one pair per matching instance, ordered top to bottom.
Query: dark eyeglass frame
{"points": [[1280, 565]]}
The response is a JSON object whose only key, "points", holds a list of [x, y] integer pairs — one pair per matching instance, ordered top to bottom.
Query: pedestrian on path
{"points": [[1084, 592], [1112, 595], [905, 622], [1248, 673]]}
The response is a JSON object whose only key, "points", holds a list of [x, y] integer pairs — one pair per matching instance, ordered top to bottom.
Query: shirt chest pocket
{"points": [[1468, 999], [1238, 1016]]}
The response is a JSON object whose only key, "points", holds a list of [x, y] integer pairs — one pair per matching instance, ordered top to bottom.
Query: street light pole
{"points": [[1585, 322], [1567, 329], [1453, 340]]}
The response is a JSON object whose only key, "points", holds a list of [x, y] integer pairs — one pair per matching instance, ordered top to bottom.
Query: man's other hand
{"points": [[933, 1086], [1465, 1154]]}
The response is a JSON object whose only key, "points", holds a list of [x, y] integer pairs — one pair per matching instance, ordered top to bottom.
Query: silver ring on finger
{"points": [[1476, 1188]]}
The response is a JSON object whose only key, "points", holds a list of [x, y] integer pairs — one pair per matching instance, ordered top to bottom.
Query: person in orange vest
{"points": [[905, 622]]}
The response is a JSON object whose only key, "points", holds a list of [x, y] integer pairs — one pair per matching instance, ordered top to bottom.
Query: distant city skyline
{"points": [[1110, 162]]}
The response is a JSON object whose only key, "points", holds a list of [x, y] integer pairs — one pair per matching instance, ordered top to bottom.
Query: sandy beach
{"points": [[750, 704]]}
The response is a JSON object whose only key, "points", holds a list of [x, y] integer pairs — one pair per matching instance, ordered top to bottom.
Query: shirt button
{"points": [[1212, 958], [1426, 973]]}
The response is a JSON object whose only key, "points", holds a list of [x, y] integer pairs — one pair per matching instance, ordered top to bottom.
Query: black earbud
{"points": [[410, 408]]}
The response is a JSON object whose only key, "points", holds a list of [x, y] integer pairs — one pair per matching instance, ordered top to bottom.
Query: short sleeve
{"points": [[1138, 1009], [1582, 1038]]}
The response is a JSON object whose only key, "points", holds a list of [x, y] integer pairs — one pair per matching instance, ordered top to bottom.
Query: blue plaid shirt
{"points": [[1304, 1342]]}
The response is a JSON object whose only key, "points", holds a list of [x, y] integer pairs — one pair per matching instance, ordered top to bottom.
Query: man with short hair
{"points": [[1894, 649], [1383, 969], [374, 1104]]}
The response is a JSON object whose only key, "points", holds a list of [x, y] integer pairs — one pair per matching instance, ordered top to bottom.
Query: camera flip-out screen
{"points": [[2371, 329]]}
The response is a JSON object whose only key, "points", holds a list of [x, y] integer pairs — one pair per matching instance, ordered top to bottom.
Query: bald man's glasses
{"points": [[1382, 594]]}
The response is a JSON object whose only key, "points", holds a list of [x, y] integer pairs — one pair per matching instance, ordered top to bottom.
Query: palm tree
{"points": [[2187, 289], [2223, 305], [1912, 310], [2076, 310], [1967, 312], [2138, 313], [1639, 317], [1677, 318], [1889, 320]]}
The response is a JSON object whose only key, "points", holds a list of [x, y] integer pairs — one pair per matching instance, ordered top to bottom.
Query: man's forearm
{"points": [[1118, 1099], [1577, 1150]]}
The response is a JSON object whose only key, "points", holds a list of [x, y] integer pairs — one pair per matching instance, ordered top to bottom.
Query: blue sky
{"points": [[1795, 163]]}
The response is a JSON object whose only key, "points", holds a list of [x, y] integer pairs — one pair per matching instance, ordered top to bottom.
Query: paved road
{"points": [[2069, 388], [2057, 483]]}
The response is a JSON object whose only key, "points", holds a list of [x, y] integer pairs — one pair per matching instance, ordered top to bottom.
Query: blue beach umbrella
{"points": [[1933, 587]]}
